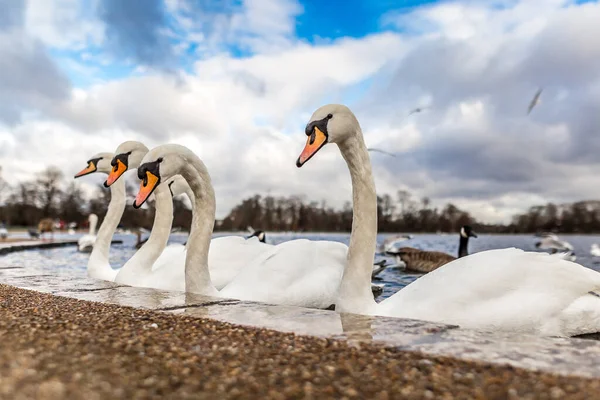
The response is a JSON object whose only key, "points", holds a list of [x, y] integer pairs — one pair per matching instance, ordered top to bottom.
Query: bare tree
{"points": [[48, 189]]}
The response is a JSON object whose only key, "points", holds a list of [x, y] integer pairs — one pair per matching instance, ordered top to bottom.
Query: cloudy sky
{"points": [[236, 81]]}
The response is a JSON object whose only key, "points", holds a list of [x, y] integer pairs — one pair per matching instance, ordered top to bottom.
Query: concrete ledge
{"points": [[38, 244], [566, 357]]}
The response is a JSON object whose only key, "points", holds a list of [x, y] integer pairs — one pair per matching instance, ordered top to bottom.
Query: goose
{"points": [[85, 243], [227, 254], [426, 261], [98, 265], [297, 272], [497, 290]]}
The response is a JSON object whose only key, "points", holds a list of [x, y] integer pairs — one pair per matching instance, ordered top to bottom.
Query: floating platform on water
{"points": [[11, 247]]}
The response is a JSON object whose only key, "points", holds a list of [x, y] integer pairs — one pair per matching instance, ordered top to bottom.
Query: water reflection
{"points": [[69, 260]]}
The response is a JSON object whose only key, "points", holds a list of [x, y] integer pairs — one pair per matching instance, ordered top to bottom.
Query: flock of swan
{"points": [[497, 290]]}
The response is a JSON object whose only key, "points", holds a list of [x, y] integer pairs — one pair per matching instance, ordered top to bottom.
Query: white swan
{"points": [[86, 242], [553, 243], [595, 250], [227, 254], [98, 265], [297, 272], [508, 289]]}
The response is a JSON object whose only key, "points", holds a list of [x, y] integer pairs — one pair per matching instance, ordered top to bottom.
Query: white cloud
{"points": [[62, 23]]}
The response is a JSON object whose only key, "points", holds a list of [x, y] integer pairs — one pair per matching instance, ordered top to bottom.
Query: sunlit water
{"points": [[68, 259]]}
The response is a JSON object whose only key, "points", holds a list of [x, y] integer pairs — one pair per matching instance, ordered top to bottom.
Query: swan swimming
{"points": [[85, 243], [297, 272], [498, 290]]}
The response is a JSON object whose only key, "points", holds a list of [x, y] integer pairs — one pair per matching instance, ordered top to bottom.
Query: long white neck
{"points": [[190, 195], [93, 222], [143, 259], [98, 264], [197, 275], [355, 293]]}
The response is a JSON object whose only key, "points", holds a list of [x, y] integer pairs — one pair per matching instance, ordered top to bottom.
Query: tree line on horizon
{"points": [[49, 195]]}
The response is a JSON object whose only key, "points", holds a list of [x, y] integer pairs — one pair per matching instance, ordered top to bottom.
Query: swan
{"points": [[86, 242], [552, 242], [390, 243], [595, 250], [227, 254], [426, 261], [98, 265], [297, 272], [497, 290]]}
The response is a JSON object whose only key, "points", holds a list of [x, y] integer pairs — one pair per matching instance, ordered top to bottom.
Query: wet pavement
{"points": [[416, 349]]}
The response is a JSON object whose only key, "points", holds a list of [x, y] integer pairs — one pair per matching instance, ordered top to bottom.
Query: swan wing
{"points": [[173, 255], [297, 272], [505, 289]]}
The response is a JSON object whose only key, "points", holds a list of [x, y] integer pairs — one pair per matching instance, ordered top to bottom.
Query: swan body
{"points": [[86, 242], [98, 264], [159, 266], [297, 272], [505, 289], [496, 290]]}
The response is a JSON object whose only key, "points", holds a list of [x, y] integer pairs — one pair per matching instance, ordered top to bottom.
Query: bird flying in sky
{"points": [[534, 101]]}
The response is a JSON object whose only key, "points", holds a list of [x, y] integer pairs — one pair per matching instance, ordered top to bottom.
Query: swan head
{"points": [[332, 123], [128, 156], [98, 163], [159, 165], [466, 231]]}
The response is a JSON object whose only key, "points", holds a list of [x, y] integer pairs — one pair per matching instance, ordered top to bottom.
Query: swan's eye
{"points": [[329, 116]]}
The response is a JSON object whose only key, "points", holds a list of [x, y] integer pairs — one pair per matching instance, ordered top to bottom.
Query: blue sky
{"points": [[315, 22], [237, 80]]}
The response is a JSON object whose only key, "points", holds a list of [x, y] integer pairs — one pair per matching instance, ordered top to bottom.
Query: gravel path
{"points": [[54, 348]]}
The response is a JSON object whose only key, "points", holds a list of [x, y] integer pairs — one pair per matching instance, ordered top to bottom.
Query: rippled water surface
{"points": [[68, 259]]}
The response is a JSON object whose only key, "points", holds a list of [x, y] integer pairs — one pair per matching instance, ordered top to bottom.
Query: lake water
{"points": [[69, 260]]}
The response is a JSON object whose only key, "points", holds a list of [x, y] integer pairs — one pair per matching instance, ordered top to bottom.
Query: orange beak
{"points": [[313, 144], [91, 168], [115, 173], [149, 183]]}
